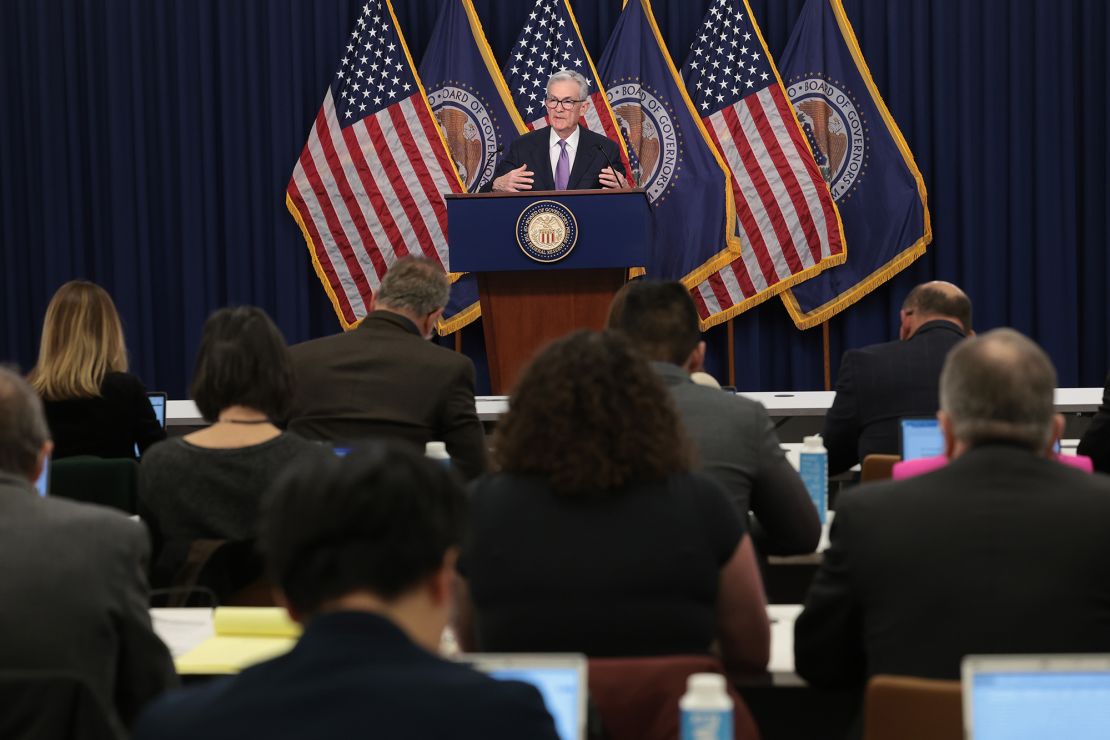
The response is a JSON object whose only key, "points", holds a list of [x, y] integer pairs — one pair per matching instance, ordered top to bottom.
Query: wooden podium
{"points": [[529, 295]]}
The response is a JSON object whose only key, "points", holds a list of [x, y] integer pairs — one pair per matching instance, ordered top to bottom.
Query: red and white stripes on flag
{"points": [[368, 186], [785, 216], [786, 219]]}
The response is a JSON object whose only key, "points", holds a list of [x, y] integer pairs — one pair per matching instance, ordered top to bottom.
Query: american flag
{"points": [[549, 42], [368, 187], [785, 216]]}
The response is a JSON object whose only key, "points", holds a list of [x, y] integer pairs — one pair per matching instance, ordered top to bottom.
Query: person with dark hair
{"points": [[384, 379], [878, 385], [93, 405], [734, 436], [207, 484], [595, 537], [362, 550], [1003, 550], [74, 589]]}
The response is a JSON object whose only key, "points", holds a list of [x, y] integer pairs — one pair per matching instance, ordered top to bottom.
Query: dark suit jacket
{"points": [[532, 149], [384, 380], [878, 385], [1096, 440], [737, 445], [1001, 551], [75, 597], [352, 675]]}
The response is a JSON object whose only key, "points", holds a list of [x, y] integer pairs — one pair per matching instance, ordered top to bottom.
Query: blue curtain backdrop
{"points": [[145, 144]]}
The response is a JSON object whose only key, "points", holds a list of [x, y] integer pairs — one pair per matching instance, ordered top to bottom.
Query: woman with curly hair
{"points": [[93, 405], [594, 535]]}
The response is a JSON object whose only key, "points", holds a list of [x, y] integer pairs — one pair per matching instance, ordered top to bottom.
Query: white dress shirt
{"points": [[554, 150]]}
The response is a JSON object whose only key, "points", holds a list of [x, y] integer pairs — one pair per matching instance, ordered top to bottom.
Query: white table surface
{"points": [[778, 404], [184, 628]]}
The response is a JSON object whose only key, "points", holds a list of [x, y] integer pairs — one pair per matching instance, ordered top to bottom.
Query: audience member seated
{"points": [[384, 379], [878, 385], [93, 405], [735, 439], [1095, 443], [207, 485], [595, 537], [363, 550], [1003, 550], [74, 589]]}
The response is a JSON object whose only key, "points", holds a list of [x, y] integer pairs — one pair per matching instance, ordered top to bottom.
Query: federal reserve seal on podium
{"points": [[546, 231]]}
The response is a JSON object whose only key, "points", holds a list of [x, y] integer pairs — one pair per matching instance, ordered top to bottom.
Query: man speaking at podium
{"points": [[563, 156]]}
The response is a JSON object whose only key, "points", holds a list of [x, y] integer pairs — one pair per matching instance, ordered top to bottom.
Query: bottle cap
{"points": [[704, 683]]}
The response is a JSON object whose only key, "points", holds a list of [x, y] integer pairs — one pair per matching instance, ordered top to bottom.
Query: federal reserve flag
{"points": [[549, 42], [470, 100], [673, 158], [870, 170], [368, 187], [786, 220]]}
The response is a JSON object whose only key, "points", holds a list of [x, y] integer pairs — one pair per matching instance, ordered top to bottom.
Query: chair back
{"points": [[877, 467], [107, 481], [230, 571], [637, 698], [52, 705], [906, 708]]}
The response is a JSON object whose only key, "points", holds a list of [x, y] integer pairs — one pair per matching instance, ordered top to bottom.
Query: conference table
{"points": [[779, 405], [184, 628]]}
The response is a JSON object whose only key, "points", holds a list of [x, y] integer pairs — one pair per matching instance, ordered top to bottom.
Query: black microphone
{"points": [[601, 149]]}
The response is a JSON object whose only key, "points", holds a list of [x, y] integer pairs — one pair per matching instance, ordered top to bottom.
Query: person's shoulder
{"points": [[593, 137], [121, 383], [166, 449], [82, 522], [492, 708], [179, 714]]}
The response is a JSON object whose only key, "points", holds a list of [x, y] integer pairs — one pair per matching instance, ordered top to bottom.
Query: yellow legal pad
{"points": [[243, 636]]}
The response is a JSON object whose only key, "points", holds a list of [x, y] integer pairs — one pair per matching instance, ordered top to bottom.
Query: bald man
{"points": [[880, 384]]}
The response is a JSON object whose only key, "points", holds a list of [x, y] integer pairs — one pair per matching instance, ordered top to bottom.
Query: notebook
{"points": [[242, 637], [560, 679], [1022, 697]]}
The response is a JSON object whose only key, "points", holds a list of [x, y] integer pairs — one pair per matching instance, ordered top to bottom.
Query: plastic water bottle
{"points": [[437, 451], [814, 469], [706, 708]]}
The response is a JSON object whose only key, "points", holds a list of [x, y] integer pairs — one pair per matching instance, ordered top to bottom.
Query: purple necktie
{"points": [[562, 169]]}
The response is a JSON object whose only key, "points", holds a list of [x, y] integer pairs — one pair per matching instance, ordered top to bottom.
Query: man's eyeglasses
{"points": [[568, 103]]}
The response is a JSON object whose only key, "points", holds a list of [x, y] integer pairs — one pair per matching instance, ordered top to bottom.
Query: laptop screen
{"points": [[158, 403], [921, 438], [42, 485], [560, 679], [1059, 698]]}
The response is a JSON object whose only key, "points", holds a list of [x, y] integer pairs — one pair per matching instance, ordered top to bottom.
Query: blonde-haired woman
{"points": [[93, 405]]}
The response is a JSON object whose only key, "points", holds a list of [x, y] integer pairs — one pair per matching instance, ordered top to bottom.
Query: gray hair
{"points": [[569, 75], [416, 285], [999, 386], [23, 429]]}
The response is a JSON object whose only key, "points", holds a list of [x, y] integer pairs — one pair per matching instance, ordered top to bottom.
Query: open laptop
{"points": [[158, 403], [921, 437], [42, 485], [559, 677], [1019, 697]]}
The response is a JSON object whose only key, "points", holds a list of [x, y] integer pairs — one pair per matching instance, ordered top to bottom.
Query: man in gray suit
{"points": [[735, 438], [74, 590]]}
